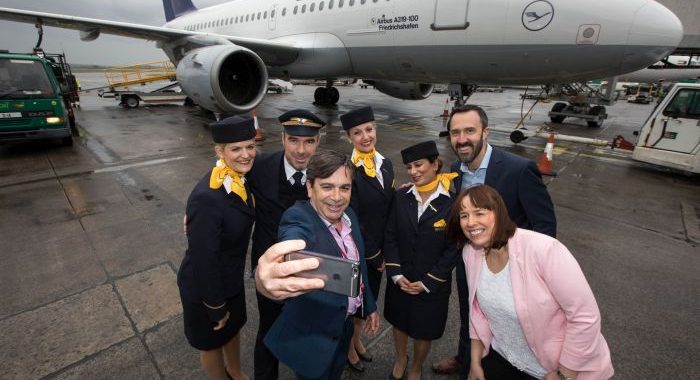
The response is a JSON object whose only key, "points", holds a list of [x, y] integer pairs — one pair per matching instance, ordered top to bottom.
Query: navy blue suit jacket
{"points": [[264, 181], [520, 185], [307, 333]]}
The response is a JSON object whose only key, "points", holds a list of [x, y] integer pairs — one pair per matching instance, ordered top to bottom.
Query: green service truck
{"points": [[37, 92]]}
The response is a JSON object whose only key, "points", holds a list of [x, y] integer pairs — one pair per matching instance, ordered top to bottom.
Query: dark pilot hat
{"points": [[357, 117], [301, 123], [233, 129], [425, 149]]}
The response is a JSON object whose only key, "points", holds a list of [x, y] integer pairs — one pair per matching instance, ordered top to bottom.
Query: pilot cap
{"points": [[357, 117], [301, 123], [232, 129], [425, 149]]}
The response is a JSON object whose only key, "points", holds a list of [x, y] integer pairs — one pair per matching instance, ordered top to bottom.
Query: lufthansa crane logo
{"points": [[537, 15]]}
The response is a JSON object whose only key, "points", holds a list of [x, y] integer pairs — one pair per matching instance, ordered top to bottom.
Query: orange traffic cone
{"points": [[446, 111], [258, 131], [545, 163]]}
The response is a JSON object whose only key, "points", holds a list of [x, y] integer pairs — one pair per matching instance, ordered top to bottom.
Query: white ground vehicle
{"points": [[171, 93], [639, 94], [671, 135]]}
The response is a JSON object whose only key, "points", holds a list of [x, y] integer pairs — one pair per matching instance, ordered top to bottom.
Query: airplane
{"points": [[225, 53]]}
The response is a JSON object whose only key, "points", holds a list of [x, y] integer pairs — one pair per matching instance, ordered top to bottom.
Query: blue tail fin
{"points": [[177, 8]]}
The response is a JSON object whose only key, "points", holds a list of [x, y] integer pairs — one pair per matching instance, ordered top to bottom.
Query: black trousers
{"points": [[265, 363], [497, 367]]}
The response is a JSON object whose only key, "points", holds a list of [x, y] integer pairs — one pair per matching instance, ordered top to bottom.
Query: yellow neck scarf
{"points": [[367, 162], [219, 174], [444, 178]]}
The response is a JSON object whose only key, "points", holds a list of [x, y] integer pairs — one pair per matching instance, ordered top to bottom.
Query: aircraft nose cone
{"points": [[654, 34]]}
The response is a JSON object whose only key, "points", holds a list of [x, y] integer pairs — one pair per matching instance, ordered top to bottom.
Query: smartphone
{"points": [[341, 275]]}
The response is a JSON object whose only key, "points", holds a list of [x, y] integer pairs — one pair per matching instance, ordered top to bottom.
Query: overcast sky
{"points": [[106, 50]]}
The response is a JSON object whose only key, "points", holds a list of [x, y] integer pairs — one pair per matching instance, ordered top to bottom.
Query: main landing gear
{"points": [[460, 92], [326, 96]]}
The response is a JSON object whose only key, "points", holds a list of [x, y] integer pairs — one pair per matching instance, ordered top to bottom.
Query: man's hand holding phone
{"points": [[278, 279]]}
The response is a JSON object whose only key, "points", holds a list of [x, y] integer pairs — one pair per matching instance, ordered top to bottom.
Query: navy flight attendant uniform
{"points": [[371, 199], [417, 248], [210, 278]]}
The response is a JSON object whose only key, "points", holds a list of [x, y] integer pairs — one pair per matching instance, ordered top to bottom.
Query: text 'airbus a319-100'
{"points": [[225, 53]]}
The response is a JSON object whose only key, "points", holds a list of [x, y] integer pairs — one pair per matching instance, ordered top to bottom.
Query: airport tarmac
{"points": [[92, 236]]}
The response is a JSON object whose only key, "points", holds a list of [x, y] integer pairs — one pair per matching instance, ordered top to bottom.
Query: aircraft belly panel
{"points": [[488, 64]]}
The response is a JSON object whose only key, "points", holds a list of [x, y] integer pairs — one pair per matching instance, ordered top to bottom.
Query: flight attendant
{"points": [[372, 194], [220, 214], [419, 258]]}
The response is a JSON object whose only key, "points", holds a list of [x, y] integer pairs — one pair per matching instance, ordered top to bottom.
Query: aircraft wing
{"points": [[273, 53]]}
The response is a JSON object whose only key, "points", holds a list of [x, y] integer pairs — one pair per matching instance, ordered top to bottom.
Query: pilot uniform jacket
{"points": [[264, 181], [372, 203], [218, 232], [419, 250], [306, 334]]}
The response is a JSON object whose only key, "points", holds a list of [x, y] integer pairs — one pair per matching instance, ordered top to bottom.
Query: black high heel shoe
{"points": [[365, 357], [357, 367]]}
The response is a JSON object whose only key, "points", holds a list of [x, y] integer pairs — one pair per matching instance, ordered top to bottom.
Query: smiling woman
{"points": [[219, 217], [419, 258], [516, 327]]}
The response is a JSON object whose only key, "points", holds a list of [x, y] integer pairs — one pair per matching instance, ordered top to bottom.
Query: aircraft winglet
{"points": [[177, 8]]}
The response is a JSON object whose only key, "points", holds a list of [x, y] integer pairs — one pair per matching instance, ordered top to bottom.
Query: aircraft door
{"points": [[450, 15], [272, 21], [678, 126]]}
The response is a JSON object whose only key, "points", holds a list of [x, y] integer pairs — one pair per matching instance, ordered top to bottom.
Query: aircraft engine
{"points": [[223, 78], [404, 90]]}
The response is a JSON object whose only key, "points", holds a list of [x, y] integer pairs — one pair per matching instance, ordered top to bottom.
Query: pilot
{"points": [[279, 180], [219, 220]]}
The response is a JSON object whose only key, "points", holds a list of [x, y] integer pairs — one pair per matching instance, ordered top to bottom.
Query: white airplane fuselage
{"points": [[458, 41]]}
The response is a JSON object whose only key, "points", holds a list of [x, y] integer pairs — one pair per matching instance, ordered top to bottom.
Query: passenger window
{"points": [[352, 2], [362, 2], [340, 3], [330, 4], [320, 6], [296, 7], [311, 7], [303, 8], [284, 11], [272, 14], [258, 15], [265, 15], [247, 18], [685, 104]]}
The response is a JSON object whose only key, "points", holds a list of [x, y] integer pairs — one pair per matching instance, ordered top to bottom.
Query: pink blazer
{"points": [[556, 308]]}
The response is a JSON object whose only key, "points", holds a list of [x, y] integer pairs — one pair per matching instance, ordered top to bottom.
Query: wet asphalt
{"points": [[92, 235]]}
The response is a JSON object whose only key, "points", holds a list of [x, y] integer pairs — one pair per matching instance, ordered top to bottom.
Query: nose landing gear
{"points": [[326, 96]]}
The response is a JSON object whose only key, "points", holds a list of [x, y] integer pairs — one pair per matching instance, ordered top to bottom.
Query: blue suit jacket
{"points": [[520, 184], [307, 333]]}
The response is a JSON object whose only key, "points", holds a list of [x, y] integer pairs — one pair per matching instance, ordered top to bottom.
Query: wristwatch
{"points": [[562, 377]]}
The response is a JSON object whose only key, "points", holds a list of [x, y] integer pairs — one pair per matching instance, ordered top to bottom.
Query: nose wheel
{"points": [[326, 96]]}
